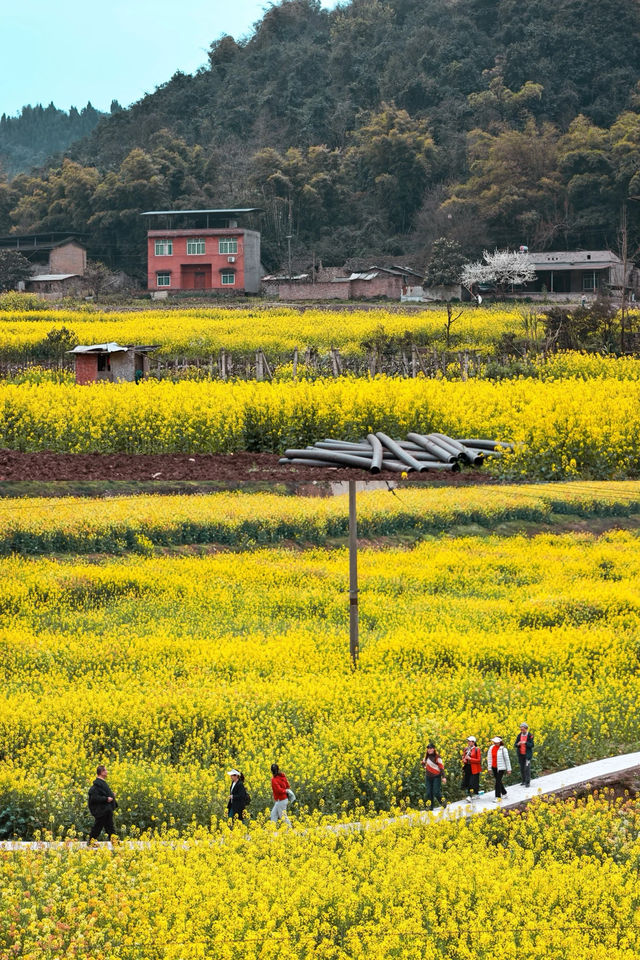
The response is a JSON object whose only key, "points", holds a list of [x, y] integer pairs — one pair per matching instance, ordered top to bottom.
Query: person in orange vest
{"points": [[524, 751], [471, 767], [433, 775]]}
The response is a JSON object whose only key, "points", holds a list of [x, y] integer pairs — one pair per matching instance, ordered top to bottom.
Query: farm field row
{"points": [[197, 333], [563, 429], [235, 519], [172, 669], [410, 893]]}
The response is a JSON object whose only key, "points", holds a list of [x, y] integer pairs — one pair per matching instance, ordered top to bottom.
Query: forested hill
{"points": [[306, 74], [373, 128], [37, 133]]}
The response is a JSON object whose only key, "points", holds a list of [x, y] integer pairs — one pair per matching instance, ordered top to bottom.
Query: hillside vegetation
{"points": [[371, 129], [29, 139]]}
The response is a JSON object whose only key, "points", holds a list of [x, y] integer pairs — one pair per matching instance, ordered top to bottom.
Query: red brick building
{"points": [[202, 250]]}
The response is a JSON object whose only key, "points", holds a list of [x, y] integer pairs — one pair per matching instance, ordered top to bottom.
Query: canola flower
{"points": [[197, 333], [573, 364], [563, 429], [234, 519], [173, 669], [558, 881]]}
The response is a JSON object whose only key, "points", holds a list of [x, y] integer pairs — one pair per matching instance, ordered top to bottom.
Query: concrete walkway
{"points": [[599, 771], [588, 774]]}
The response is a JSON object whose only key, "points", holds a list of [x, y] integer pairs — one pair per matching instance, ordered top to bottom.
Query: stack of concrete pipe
{"points": [[419, 452]]}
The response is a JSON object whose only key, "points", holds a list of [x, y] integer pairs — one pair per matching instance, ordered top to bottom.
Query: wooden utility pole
{"points": [[353, 577]]}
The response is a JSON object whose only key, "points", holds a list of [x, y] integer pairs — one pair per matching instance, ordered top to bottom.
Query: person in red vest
{"points": [[524, 750], [499, 763], [471, 767], [433, 774], [281, 793]]}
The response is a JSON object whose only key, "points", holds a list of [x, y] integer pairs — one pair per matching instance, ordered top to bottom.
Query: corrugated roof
{"points": [[176, 213], [51, 276], [285, 277], [112, 347], [99, 348]]}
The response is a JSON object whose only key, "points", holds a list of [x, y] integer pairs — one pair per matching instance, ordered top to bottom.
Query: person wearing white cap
{"points": [[524, 751], [499, 763], [471, 767], [239, 799]]}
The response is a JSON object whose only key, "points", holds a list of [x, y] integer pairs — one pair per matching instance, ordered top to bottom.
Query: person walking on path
{"points": [[524, 750], [499, 763], [471, 767], [433, 775], [281, 793], [238, 797], [102, 803]]}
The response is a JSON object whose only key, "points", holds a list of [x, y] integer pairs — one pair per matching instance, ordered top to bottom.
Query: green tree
{"points": [[393, 159], [586, 166], [514, 185], [445, 264], [13, 269]]}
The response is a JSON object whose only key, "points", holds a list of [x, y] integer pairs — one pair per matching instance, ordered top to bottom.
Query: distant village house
{"points": [[199, 250], [59, 260], [580, 272], [338, 284]]}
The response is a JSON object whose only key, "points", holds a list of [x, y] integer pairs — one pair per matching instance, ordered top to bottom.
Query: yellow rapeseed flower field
{"points": [[277, 330], [561, 428], [237, 519], [173, 668], [559, 881]]}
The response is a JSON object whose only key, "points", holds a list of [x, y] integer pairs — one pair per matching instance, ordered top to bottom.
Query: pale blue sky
{"points": [[72, 51]]}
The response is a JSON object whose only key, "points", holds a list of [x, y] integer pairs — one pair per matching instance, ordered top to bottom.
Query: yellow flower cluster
{"points": [[276, 330], [571, 364], [562, 428], [73, 524], [171, 669], [558, 881]]}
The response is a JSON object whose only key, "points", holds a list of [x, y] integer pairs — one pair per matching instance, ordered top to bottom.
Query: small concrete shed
{"points": [[111, 362]]}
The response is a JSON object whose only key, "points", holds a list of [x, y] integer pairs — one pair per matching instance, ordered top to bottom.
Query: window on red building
{"points": [[229, 245], [195, 247], [164, 248], [228, 278], [163, 279]]}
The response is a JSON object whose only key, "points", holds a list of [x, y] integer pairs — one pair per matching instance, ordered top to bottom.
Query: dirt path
{"points": [[225, 468]]}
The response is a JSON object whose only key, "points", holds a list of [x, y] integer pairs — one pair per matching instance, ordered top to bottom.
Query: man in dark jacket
{"points": [[524, 751], [102, 803]]}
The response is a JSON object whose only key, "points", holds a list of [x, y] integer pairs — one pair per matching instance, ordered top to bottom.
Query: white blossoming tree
{"points": [[505, 268]]}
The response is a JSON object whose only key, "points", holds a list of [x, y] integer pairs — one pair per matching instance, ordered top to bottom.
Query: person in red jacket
{"points": [[471, 767], [281, 793]]}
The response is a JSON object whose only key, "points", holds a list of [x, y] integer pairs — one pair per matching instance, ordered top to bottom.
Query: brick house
{"points": [[202, 250], [58, 259], [371, 284], [111, 362]]}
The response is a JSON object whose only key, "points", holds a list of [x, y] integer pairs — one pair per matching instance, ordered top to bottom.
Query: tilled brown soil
{"points": [[225, 468]]}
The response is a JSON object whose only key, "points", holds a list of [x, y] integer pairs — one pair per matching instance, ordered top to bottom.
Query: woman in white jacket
{"points": [[499, 763]]}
